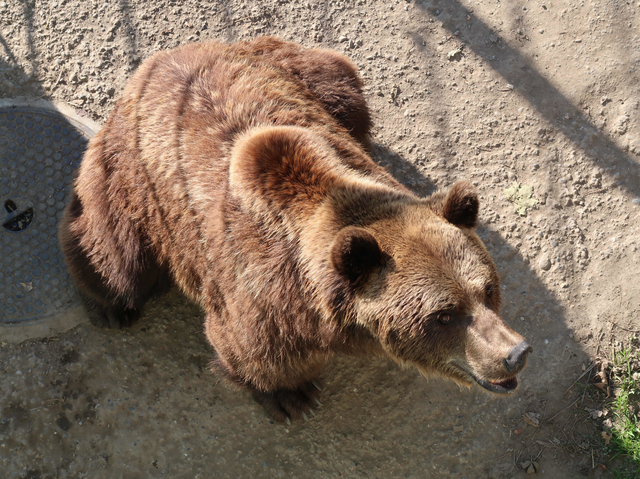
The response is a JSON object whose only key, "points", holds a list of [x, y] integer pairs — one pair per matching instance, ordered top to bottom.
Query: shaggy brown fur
{"points": [[240, 172]]}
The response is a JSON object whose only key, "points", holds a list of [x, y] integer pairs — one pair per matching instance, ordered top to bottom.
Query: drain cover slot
{"points": [[18, 217]]}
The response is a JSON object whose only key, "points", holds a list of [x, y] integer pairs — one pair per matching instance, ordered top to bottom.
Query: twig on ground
{"points": [[623, 328], [599, 341], [580, 377], [584, 392], [564, 409], [534, 433], [505, 454], [516, 459]]}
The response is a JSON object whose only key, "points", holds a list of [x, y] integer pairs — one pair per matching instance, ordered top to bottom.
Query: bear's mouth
{"points": [[498, 386], [506, 386]]}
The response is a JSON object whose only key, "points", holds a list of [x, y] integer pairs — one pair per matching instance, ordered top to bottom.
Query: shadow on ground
{"points": [[533, 86]]}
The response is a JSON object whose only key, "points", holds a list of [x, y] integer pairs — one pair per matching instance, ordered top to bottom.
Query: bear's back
{"points": [[162, 159]]}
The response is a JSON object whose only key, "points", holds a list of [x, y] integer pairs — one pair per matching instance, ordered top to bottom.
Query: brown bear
{"points": [[241, 174]]}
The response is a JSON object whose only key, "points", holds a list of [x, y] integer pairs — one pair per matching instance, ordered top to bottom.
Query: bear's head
{"points": [[412, 272], [422, 282]]}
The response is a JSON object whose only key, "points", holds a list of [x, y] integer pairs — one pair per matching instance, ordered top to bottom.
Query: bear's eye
{"points": [[489, 291], [444, 318]]}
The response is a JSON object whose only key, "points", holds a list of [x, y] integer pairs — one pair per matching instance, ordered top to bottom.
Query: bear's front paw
{"points": [[108, 317], [113, 318], [119, 318], [287, 404]]}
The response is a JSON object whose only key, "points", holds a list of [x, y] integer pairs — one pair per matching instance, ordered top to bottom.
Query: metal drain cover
{"points": [[40, 149]]}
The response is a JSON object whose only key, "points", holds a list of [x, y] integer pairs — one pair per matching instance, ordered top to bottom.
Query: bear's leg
{"points": [[105, 308], [113, 314], [104, 315], [283, 404]]}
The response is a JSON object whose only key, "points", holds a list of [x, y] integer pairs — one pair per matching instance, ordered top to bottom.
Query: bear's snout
{"points": [[517, 357]]}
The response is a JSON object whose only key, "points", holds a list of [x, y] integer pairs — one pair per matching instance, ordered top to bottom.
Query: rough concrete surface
{"points": [[542, 93]]}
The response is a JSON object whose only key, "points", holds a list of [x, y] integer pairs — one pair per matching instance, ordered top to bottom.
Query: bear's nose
{"points": [[517, 357]]}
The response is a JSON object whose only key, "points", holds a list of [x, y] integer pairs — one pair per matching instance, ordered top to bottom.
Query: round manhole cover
{"points": [[40, 150]]}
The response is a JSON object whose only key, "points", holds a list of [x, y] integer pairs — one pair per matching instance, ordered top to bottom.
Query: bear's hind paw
{"points": [[285, 405]]}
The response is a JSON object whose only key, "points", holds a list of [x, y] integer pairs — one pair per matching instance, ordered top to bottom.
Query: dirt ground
{"points": [[544, 93]]}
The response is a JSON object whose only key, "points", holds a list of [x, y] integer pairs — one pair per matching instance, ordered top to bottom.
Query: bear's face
{"points": [[429, 291]]}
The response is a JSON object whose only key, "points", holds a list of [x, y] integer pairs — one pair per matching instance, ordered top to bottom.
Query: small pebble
{"points": [[636, 201], [545, 263]]}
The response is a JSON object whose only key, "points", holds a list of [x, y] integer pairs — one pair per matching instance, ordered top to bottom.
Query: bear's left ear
{"points": [[278, 168], [459, 206], [355, 254]]}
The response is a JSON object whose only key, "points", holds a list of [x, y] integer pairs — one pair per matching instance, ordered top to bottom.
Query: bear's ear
{"points": [[280, 167], [459, 206], [355, 254]]}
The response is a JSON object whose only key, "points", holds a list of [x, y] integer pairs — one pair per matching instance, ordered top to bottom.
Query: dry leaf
{"points": [[454, 53], [601, 386], [595, 413], [532, 418], [606, 437], [530, 467], [533, 468]]}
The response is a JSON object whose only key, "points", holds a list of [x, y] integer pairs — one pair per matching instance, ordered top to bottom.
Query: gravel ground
{"points": [[540, 93]]}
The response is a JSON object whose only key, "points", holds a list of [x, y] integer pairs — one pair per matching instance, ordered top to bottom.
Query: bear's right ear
{"points": [[459, 206], [355, 254]]}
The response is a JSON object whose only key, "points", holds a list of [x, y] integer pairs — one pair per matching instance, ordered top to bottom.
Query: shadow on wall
{"points": [[536, 89]]}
